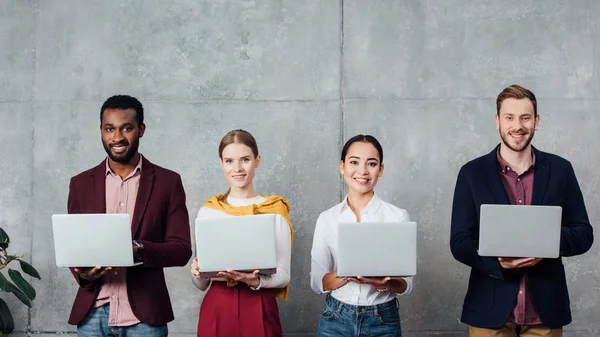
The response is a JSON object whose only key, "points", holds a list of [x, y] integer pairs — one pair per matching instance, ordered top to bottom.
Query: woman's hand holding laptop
{"points": [[195, 270], [250, 279], [332, 282], [377, 282], [391, 284]]}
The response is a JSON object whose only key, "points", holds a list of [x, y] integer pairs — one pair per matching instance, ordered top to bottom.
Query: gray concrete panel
{"points": [[445, 49], [17, 50], [186, 51]]}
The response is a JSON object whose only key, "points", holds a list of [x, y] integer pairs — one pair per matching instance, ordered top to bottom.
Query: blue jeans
{"points": [[341, 319], [96, 324]]}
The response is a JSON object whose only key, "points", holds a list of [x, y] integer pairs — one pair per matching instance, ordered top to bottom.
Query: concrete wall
{"points": [[302, 76]]}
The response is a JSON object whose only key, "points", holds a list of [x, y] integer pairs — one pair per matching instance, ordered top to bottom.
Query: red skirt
{"points": [[238, 312]]}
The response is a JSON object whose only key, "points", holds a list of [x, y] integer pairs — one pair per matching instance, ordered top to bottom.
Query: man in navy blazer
{"points": [[517, 296], [130, 301]]}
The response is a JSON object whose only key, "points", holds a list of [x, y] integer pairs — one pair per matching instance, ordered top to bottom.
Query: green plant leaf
{"points": [[4, 239], [29, 270], [5, 284], [23, 285], [9, 287], [19, 294], [7, 324]]}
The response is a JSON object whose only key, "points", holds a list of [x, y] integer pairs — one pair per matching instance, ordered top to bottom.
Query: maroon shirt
{"points": [[520, 189]]}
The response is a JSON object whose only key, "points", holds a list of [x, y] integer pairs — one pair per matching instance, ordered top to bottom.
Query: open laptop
{"points": [[519, 231], [89, 240], [240, 243], [377, 249]]}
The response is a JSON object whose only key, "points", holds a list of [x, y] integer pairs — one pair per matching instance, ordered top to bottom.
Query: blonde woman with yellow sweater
{"points": [[241, 304]]}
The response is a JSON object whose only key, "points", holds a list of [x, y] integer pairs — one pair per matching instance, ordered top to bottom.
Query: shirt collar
{"points": [[504, 167], [138, 168], [371, 207]]}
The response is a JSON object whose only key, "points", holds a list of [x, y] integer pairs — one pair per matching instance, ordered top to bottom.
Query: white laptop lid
{"points": [[520, 231], [89, 240], [242, 243], [377, 249]]}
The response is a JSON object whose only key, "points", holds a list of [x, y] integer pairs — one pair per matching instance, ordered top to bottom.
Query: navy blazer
{"points": [[492, 291]]}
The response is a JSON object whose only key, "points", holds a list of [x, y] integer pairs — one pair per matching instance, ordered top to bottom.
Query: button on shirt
{"points": [[519, 189], [121, 195], [324, 251]]}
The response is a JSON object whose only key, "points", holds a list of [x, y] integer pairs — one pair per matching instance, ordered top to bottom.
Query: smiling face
{"points": [[517, 122], [121, 134], [238, 164], [361, 167]]}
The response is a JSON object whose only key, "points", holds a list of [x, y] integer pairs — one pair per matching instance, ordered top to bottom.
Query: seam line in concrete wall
{"points": [[399, 98], [402, 98], [180, 101], [32, 108], [342, 124], [32, 201]]}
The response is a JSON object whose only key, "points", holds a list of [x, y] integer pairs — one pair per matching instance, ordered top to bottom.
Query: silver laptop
{"points": [[519, 231], [89, 240], [241, 243], [377, 249]]}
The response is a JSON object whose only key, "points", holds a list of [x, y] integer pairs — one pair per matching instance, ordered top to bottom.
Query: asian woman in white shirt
{"points": [[356, 306]]}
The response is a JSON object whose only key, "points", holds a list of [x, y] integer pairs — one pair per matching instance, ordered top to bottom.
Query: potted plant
{"points": [[19, 286]]}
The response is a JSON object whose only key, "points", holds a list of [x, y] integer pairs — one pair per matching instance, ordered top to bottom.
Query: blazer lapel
{"points": [[540, 177], [493, 179], [98, 189], [143, 196]]}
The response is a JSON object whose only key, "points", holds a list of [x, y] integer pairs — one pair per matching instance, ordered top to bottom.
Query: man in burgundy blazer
{"points": [[160, 230]]}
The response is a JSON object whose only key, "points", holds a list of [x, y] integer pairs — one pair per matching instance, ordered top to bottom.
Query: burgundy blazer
{"points": [[160, 223]]}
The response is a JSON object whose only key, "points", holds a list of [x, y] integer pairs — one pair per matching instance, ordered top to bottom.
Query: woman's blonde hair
{"points": [[241, 137]]}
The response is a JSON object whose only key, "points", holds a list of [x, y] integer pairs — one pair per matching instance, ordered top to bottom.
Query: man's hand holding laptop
{"points": [[518, 262], [92, 274]]}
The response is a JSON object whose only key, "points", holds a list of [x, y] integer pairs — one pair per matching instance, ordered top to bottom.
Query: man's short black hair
{"points": [[124, 102]]}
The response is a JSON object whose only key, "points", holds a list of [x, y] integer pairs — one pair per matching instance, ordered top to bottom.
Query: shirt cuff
{"points": [[317, 283], [409, 286]]}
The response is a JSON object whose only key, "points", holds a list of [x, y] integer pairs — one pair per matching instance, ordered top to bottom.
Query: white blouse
{"points": [[282, 244], [324, 251]]}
